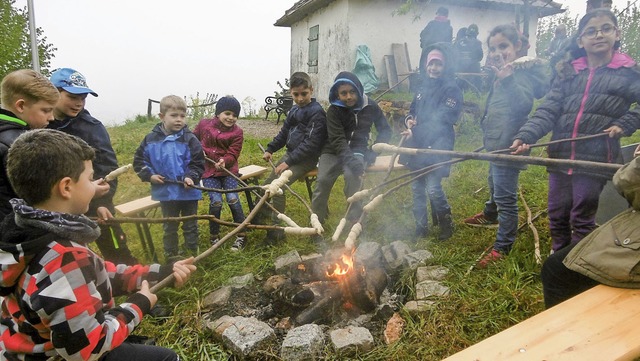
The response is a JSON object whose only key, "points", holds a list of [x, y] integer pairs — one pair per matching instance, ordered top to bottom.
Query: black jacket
{"points": [[438, 30], [587, 101], [436, 107], [10, 129], [349, 129], [92, 131], [304, 133]]}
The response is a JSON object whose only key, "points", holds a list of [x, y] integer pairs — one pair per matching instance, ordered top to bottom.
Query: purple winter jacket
{"points": [[219, 141]]}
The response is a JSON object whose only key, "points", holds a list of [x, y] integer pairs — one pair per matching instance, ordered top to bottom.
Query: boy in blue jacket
{"points": [[303, 133], [171, 158]]}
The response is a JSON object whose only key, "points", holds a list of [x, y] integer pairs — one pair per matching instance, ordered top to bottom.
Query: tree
{"points": [[547, 27], [15, 48], [248, 107]]}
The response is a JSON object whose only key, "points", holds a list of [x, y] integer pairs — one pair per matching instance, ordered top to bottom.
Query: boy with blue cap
{"points": [[72, 118]]}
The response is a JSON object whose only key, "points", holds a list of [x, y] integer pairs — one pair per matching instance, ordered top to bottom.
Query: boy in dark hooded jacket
{"points": [[434, 110], [349, 120]]}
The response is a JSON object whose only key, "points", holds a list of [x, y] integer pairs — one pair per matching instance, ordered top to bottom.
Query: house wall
{"points": [[345, 24], [334, 39]]}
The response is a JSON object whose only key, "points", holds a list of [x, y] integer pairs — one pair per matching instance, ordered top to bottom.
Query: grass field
{"points": [[481, 302]]}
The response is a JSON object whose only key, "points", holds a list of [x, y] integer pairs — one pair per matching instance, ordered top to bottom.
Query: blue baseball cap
{"points": [[72, 81]]}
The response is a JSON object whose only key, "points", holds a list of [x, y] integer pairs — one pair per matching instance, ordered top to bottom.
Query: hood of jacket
{"points": [[447, 52], [570, 67], [346, 77], [27, 231]]}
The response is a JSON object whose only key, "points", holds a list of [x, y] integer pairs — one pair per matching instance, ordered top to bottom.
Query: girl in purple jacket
{"points": [[592, 94], [221, 140]]}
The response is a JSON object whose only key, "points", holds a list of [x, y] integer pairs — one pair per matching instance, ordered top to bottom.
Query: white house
{"points": [[325, 33]]}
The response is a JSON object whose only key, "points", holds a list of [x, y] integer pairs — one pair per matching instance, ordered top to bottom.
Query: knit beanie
{"points": [[435, 54], [228, 103]]}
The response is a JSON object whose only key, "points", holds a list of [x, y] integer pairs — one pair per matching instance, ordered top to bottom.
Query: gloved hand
{"points": [[356, 164]]}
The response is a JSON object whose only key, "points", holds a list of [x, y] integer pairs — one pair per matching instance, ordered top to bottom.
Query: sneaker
{"points": [[480, 220], [214, 239], [238, 245], [492, 257]]}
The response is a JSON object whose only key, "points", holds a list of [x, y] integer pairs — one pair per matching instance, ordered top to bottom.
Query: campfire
{"points": [[315, 288]]}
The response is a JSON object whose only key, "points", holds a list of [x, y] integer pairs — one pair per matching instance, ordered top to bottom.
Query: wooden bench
{"points": [[281, 105], [380, 165], [143, 206], [598, 324]]}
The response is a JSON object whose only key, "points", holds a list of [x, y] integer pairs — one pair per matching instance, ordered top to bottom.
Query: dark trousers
{"points": [[330, 167], [279, 200], [573, 203], [189, 228], [112, 244], [560, 283], [137, 352]]}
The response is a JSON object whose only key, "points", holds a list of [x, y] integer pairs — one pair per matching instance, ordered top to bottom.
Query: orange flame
{"points": [[342, 269]]}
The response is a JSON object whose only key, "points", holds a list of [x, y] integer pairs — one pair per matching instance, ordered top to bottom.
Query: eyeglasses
{"points": [[592, 33]]}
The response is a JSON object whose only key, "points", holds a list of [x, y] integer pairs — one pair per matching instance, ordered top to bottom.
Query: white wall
{"points": [[346, 24]]}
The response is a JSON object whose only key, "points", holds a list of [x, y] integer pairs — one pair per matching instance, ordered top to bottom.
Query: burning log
{"points": [[351, 284], [282, 289]]}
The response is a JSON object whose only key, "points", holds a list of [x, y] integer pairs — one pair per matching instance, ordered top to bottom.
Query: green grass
{"points": [[481, 303]]}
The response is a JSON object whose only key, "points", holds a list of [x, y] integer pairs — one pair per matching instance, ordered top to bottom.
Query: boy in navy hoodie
{"points": [[349, 120]]}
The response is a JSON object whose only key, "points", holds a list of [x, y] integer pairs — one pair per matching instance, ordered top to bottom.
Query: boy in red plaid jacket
{"points": [[57, 293]]}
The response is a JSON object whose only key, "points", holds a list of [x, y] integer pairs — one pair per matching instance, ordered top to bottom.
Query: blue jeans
{"points": [[429, 185], [504, 192], [215, 201], [189, 228]]}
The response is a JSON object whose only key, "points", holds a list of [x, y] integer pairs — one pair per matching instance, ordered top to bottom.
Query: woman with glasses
{"points": [[592, 95]]}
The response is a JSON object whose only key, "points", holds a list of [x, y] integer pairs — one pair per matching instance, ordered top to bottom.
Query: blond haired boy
{"points": [[28, 99]]}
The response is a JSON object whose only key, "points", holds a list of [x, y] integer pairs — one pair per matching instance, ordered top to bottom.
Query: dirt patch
{"points": [[260, 128]]}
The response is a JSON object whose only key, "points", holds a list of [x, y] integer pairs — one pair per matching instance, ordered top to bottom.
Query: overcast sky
{"points": [[131, 51]]}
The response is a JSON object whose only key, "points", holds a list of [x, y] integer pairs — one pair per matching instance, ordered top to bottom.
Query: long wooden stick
{"points": [[273, 167], [604, 168], [241, 182], [208, 217], [536, 238], [169, 279]]}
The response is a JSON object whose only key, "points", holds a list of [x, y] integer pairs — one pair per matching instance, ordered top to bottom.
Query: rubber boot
{"points": [[446, 225]]}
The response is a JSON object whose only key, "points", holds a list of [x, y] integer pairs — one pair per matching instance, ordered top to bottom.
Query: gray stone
{"points": [[369, 254], [394, 254], [308, 257], [418, 258], [287, 259], [431, 273], [241, 281], [430, 289], [216, 298], [419, 306], [361, 320], [219, 325], [247, 337], [351, 339], [303, 343]]}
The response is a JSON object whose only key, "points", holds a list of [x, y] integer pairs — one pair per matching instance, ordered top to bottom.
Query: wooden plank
{"points": [[401, 56], [392, 74], [382, 164], [252, 171], [136, 206], [599, 324]]}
